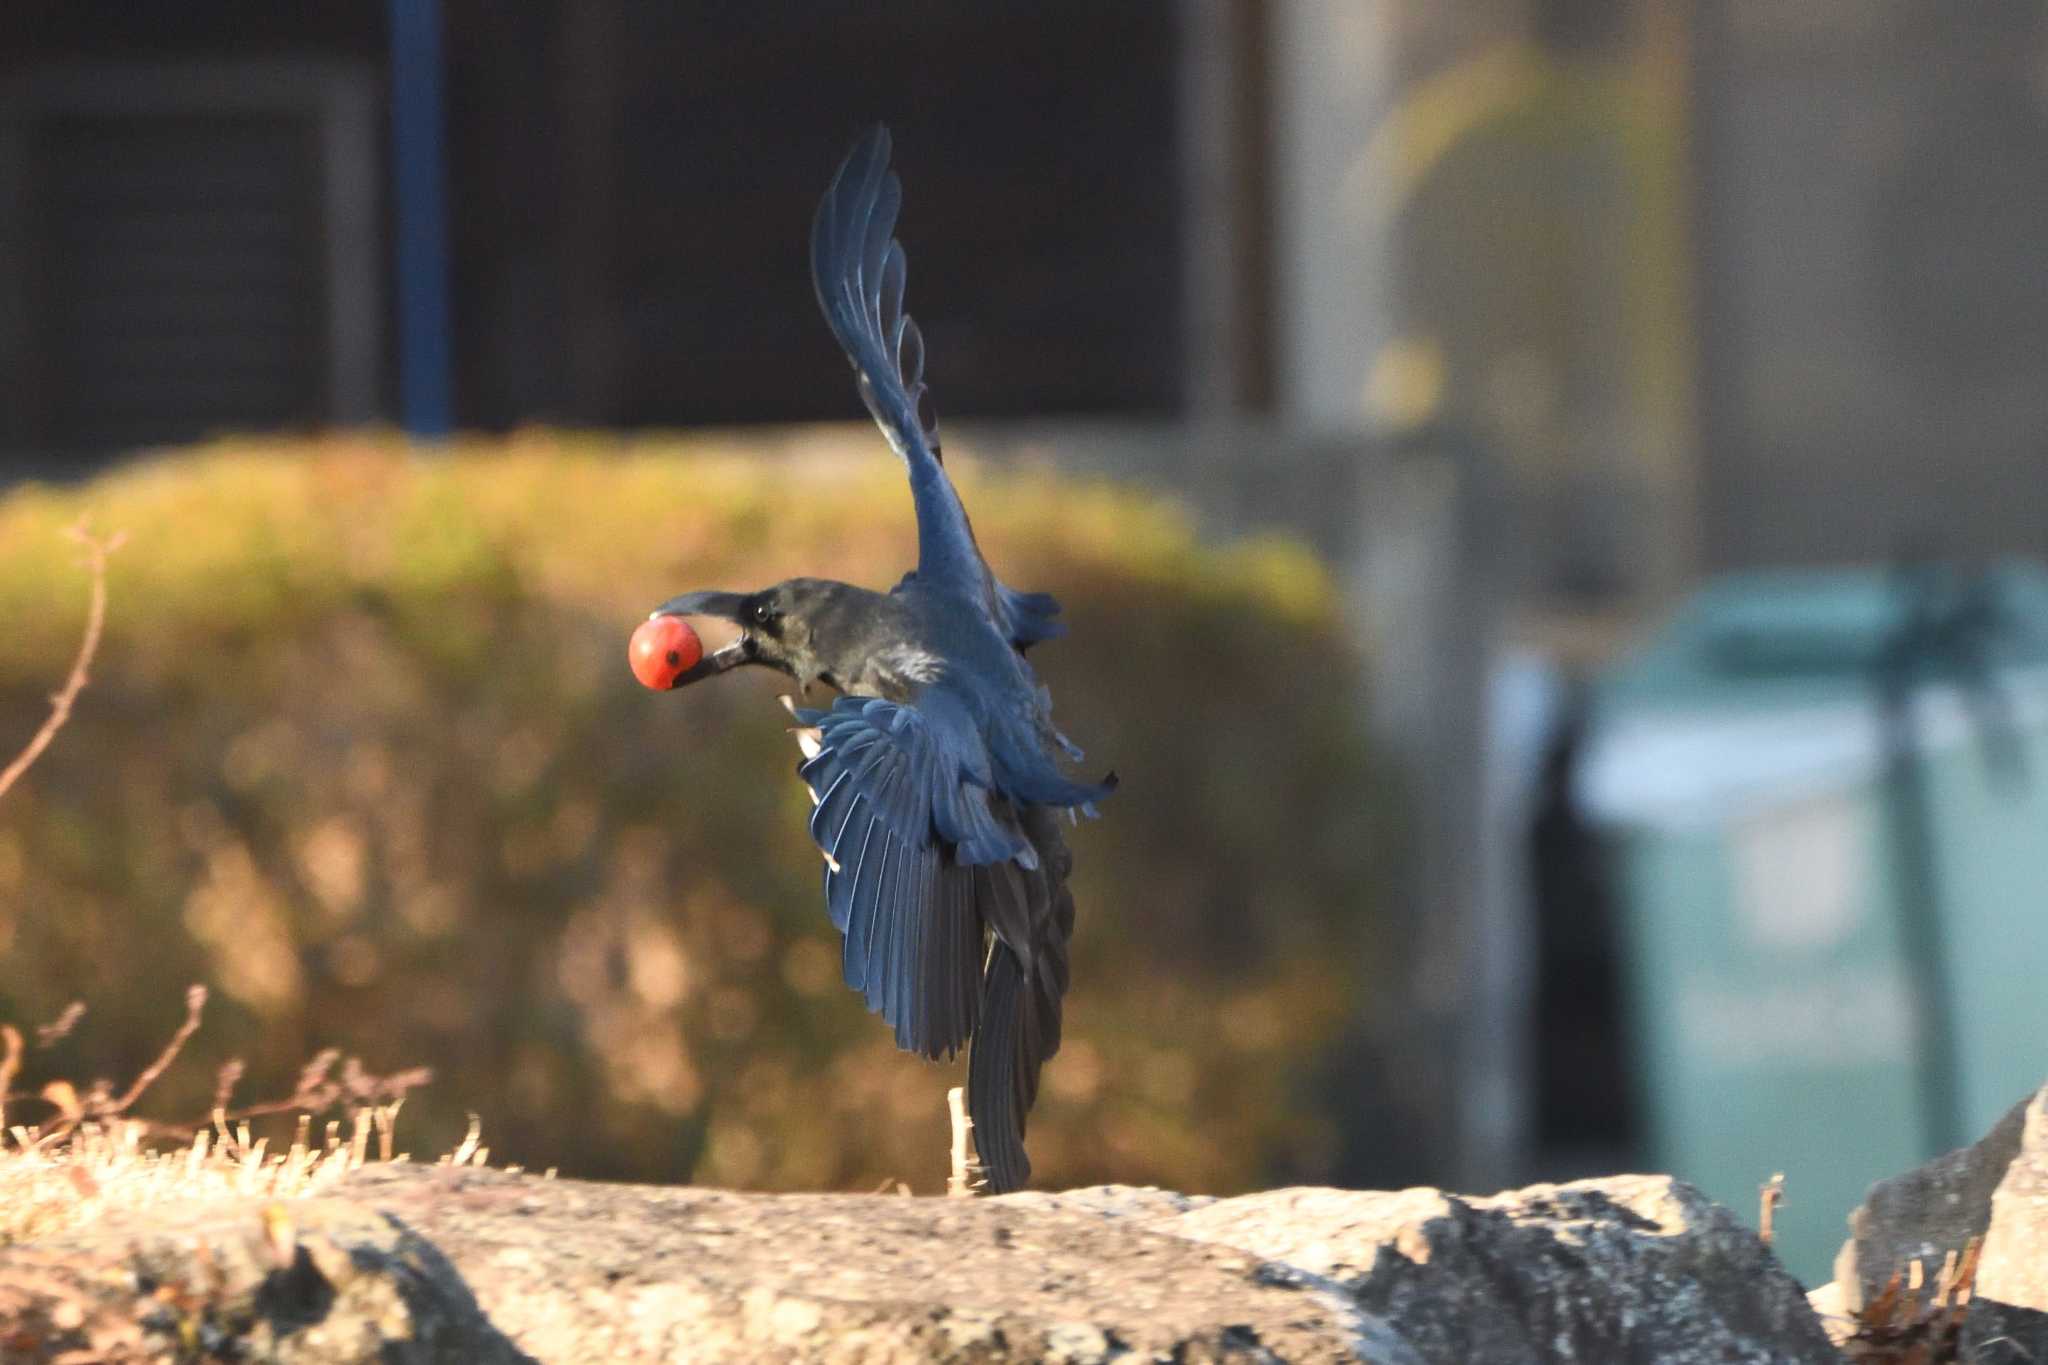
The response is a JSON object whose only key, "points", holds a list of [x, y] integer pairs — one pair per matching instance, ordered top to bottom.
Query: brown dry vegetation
{"points": [[361, 752], [87, 1153], [1906, 1325]]}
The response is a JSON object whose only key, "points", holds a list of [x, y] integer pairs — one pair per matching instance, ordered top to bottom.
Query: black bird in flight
{"points": [[935, 774]]}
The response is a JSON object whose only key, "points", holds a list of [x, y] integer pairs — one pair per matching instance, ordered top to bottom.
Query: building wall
{"points": [[635, 183], [630, 184], [1872, 195], [189, 226]]}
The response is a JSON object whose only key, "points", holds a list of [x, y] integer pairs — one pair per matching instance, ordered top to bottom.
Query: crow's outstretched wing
{"points": [[858, 270], [903, 817]]}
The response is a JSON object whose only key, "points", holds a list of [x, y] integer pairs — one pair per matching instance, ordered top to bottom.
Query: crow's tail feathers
{"points": [[1021, 995], [997, 1071], [1002, 1073]]}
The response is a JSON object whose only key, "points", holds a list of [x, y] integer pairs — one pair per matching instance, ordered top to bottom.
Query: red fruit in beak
{"points": [[663, 648]]}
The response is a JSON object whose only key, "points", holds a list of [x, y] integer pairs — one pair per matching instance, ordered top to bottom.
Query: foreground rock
{"points": [[1995, 1190], [405, 1263], [1632, 1268]]}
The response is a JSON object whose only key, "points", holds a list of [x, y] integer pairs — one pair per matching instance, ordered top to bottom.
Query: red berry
{"points": [[662, 648]]}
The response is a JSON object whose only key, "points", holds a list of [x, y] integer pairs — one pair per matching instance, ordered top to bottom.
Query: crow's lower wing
{"points": [[858, 270], [904, 820], [952, 897]]}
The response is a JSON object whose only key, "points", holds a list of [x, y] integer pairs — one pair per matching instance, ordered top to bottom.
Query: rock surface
{"points": [[1995, 1189], [1925, 1213], [409, 1263], [1626, 1269], [2009, 1319]]}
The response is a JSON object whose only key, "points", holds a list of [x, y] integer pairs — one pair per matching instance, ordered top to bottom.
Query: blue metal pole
{"points": [[425, 388]]}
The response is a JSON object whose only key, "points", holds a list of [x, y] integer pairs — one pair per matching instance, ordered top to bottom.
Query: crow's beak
{"points": [[726, 606], [740, 651]]}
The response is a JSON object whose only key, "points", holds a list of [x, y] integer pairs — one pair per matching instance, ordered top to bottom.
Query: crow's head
{"points": [[809, 628]]}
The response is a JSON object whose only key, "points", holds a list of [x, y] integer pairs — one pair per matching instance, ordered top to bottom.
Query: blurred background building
{"points": [[1531, 315]]}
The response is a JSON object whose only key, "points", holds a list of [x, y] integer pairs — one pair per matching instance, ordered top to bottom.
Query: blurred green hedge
{"points": [[361, 752]]}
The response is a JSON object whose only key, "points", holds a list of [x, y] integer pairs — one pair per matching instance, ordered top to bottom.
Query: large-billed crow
{"points": [[935, 774]]}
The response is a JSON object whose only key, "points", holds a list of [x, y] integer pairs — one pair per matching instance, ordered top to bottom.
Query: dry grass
{"points": [[90, 1154], [91, 1159], [1903, 1326]]}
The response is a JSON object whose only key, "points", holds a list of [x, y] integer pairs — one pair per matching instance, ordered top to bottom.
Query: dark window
{"points": [[179, 287]]}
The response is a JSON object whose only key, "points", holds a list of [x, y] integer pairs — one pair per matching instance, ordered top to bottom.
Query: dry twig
{"points": [[96, 552], [195, 1004], [58, 1029], [10, 1064], [1770, 1194]]}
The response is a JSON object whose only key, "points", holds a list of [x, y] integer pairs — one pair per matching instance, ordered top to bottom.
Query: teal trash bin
{"points": [[1832, 911]]}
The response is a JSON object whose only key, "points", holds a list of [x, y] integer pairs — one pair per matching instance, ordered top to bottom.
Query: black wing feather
{"points": [[859, 273], [903, 809]]}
